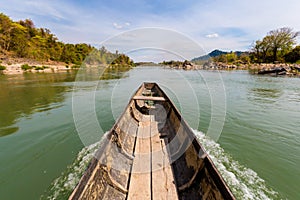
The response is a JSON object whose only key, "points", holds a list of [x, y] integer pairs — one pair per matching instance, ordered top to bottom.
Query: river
{"points": [[255, 118]]}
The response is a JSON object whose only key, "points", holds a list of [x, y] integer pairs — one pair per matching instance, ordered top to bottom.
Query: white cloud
{"points": [[204, 21], [117, 26], [120, 26], [214, 35]]}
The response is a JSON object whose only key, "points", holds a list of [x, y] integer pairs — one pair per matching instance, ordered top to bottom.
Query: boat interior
{"points": [[151, 153]]}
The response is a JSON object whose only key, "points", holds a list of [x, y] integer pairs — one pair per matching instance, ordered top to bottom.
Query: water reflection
{"points": [[116, 72], [24, 94], [264, 95], [8, 130]]}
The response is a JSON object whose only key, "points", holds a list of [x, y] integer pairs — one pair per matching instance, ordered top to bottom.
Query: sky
{"points": [[159, 27]]}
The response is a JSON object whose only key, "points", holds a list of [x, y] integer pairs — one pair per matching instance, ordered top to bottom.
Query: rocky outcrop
{"points": [[187, 65], [223, 66], [277, 71]]}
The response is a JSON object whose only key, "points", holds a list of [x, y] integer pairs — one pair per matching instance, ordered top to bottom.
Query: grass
{"points": [[2, 67], [26, 67]]}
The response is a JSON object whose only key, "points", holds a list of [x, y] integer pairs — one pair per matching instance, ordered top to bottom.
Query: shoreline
{"points": [[36, 67], [280, 69], [284, 69]]}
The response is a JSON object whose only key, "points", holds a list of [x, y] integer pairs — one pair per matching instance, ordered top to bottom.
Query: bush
{"points": [[2, 67], [26, 67], [39, 67], [75, 67]]}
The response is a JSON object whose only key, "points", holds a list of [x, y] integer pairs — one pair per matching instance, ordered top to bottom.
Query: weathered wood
{"points": [[148, 98], [151, 153], [140, 182], [163, 183]]}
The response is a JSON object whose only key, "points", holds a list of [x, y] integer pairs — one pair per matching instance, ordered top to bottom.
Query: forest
{"points": [[22, 39]]}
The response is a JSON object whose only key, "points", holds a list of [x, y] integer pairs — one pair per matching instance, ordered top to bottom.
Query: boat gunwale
{"points": [[197, 144], [209, 165]]}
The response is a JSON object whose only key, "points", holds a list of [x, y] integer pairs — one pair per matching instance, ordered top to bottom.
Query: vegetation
{"points": [[23, 40], [275, 46], [293, 56], [233, 58], [122, 60], [172, 63], [2, 67], [26, 67]]}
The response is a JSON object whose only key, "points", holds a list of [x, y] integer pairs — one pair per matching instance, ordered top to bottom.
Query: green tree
{"points": [[28, 23], [5, 31], [18, 39], [23, 39], [282, 39], [274, 45], [262, 49], [293, 56], [231, 57], [244, 58], [122, 60]]}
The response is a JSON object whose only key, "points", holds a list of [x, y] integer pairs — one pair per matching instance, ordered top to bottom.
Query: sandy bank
{"points": [[53, 67]]}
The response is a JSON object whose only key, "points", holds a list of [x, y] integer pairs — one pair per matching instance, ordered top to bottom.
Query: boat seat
{"points": [[149, 98]]}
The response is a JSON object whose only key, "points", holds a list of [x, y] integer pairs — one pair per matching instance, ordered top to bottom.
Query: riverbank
{"points": [[14, 66], [255, 68], [262, 68], [282, 69]]}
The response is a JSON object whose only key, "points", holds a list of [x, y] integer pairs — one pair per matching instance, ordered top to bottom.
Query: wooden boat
{"points": [[151, 153]]}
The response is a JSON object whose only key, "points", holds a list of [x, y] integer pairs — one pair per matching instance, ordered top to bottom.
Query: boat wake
{"points": [[243, 182]]}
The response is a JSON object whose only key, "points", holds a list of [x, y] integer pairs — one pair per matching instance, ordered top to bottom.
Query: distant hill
{"points": [[214, 53]]}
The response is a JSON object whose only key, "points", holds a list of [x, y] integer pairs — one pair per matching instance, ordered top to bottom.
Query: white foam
{"points": [[243, 182]]}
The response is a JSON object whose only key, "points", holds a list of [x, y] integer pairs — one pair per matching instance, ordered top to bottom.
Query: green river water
{"points": [[42, 154]]}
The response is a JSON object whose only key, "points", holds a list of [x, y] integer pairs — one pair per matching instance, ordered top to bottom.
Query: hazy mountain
{"points": [[214, 53]]}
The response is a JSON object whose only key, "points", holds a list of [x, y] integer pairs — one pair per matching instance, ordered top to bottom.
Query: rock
{"points": [[187, 65], [277, 71]]}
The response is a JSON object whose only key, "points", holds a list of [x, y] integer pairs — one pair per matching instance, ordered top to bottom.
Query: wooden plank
{"points": [[149, 98], [140, 181], [163, 184]]}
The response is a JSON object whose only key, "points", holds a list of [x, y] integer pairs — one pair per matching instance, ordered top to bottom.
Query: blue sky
{"points": [[212, 24]]}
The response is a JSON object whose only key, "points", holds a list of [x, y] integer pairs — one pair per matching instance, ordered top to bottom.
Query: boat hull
{"points": [[151, 153]]}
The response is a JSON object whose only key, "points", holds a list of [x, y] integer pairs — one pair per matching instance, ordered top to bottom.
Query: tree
{"points": [[5, 30], [18, 39], [23, 39], [281, 39], [274, 45], [293, 56], [231, 57], [244, 58]]}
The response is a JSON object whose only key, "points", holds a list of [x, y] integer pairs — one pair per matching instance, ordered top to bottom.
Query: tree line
{"points": [[23, 40], [278, 46]]}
